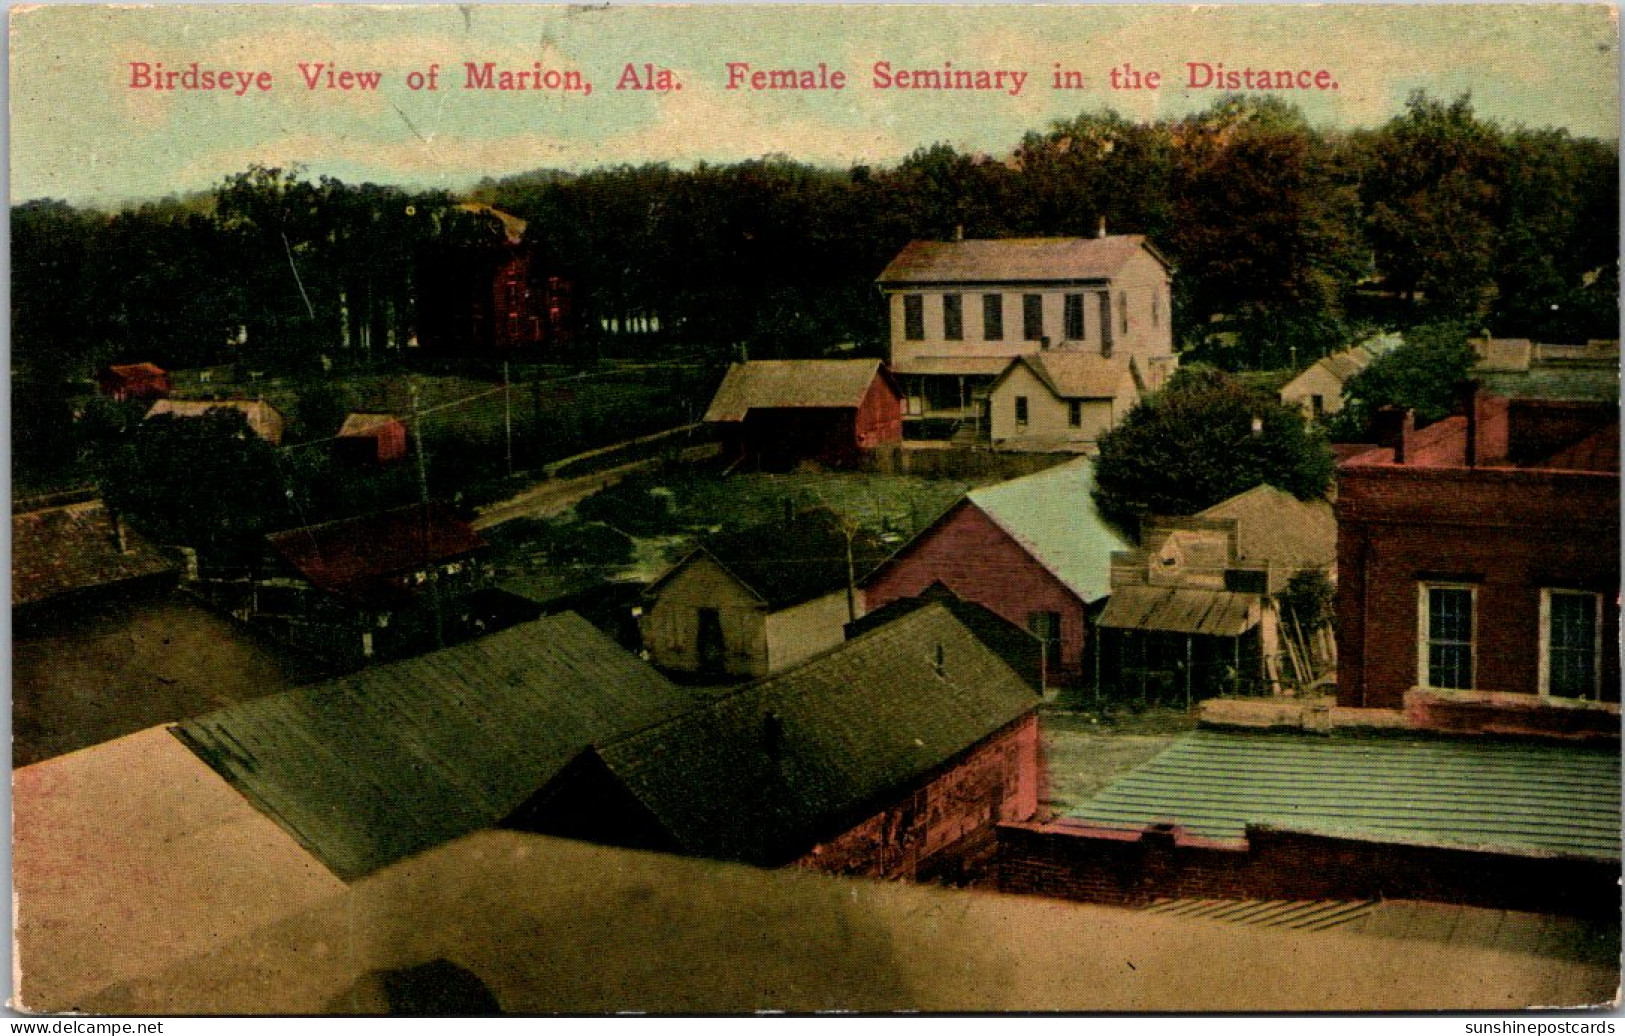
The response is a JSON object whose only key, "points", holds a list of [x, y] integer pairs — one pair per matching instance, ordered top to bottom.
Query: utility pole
{"points": [[507, 415], [423, 500]]}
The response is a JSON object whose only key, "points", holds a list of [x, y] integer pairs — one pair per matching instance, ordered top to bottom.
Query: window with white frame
{"points": [[1448, 615], [1570, 643]]}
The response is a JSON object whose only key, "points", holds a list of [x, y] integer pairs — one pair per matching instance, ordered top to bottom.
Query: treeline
{"points": [[1287, 239]]}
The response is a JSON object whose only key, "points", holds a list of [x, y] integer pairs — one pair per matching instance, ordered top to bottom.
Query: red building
{"points": [[498, 297], [126, 381], [780, 412], [371, 439], [1033, 551], [1478, 563]]}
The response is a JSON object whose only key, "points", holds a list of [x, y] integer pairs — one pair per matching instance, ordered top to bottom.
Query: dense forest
{"points": [[1287, 239]]}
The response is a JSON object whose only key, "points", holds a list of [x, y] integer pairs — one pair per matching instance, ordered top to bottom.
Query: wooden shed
{"points": [[126, 381], [776, 413], [371, 439]]}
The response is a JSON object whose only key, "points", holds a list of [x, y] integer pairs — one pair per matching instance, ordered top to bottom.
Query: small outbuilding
{"points": [[126, 381], [1061, 400], [777, 413], [264, 419], [371, 439], [752, 602]]}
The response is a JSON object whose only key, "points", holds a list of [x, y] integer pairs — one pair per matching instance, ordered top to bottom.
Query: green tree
{"points": [[1433, 190], [1424, 375], [1201, 440], [205, 482]]}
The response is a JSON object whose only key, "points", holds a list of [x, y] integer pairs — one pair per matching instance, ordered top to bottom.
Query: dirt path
{"points": [[551, 498]]}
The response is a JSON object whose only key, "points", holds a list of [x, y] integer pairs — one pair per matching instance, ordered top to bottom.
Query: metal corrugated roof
{"points": [[1052, 516], [1210, 613], [854, 727], [376, 766], [1531, 799]]}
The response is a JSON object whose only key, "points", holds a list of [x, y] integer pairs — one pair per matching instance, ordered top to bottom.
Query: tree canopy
{"points": [[1286, 239], [1423, 375], [1202, 439]]}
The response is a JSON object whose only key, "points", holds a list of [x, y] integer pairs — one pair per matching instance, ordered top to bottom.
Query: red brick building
{"points": [[502, 297], [776, 413], [1032, 550], [1481, 554]]}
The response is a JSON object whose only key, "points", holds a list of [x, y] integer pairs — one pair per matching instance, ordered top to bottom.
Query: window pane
{"points": [[913, 317], [993, 317], [1032, 317], [1074, 317], [953, 318], [1021, 410], [1450, 615], [1450, 637], [1572, 648], [1450, 666]]}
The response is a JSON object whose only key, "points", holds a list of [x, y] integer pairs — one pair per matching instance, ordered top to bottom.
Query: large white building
{"points": [[962, 312]]}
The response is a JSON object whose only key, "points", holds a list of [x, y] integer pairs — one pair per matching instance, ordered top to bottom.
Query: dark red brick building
{"points": [[502, 297], [1480, 555]]}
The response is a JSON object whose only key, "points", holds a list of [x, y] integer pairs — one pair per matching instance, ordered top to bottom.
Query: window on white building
{"points": [[914, 317], [993, 317], [953, 318]]}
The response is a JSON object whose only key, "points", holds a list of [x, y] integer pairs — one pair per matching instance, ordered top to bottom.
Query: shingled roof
{"points": [[1015, 260], [1074, 374], [780, 384], [1274, 527], [61, 550], [360, 558], [786, 563], [851, 728], [384, 763]]}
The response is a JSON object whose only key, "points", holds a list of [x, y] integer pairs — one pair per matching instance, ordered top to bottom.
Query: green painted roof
{"points": [[1052, 515], [854, 727], [384, 763], [1505, 796]]}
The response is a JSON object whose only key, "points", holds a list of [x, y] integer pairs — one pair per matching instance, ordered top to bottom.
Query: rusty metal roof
{"points": [[1209, 613]]}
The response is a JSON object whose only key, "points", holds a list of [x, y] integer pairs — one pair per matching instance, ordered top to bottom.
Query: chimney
{"points": [[959, 231], [1102, 231], [1467, 392], [1392, 427], [120, 541]]}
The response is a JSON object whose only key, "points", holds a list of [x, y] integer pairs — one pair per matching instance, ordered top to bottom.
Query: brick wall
{"points": [[1508, 532], [977, 560], [944, 828], [1070, 860]]}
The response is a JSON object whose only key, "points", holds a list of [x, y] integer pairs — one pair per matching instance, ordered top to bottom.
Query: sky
{"points": [[89, 126]]}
